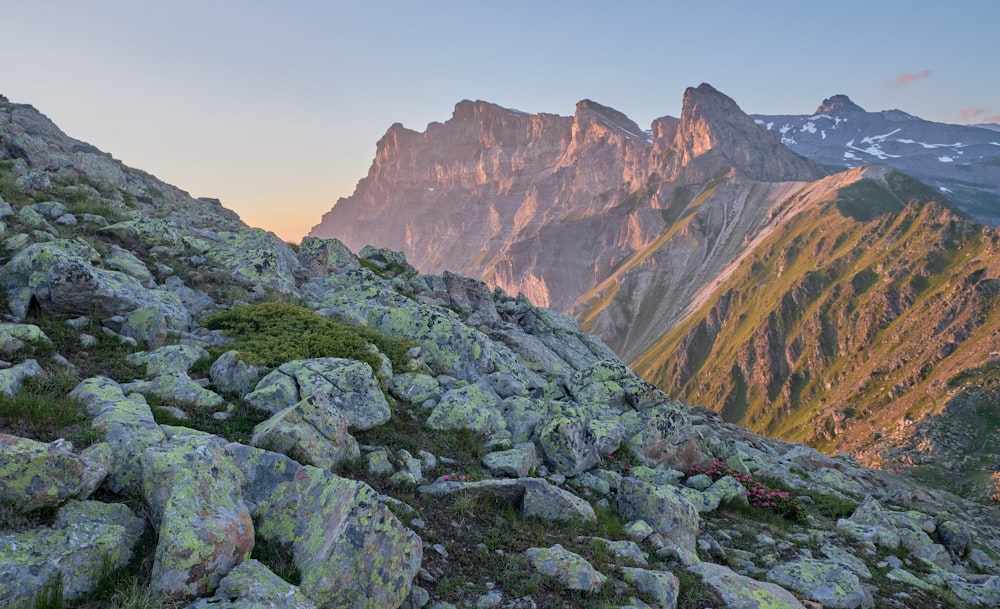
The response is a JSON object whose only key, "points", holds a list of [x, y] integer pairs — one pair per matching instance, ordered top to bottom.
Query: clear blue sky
{"points": [[275, 107]]}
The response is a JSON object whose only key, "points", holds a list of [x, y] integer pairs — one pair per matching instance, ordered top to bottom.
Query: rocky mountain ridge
{"points": [[959, 161], [441, 444]]}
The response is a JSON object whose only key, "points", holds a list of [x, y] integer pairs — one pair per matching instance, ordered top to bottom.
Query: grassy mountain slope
{"points": [[846, 323]]}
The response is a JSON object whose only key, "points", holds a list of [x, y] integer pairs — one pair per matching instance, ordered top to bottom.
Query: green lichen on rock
{"points": [[471, 407], [35, 475], [204, 526], [85, 535], [825, 582]]}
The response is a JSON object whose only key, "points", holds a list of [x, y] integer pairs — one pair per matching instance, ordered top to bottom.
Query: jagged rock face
{"points": [[714, 135], [506, 196]]}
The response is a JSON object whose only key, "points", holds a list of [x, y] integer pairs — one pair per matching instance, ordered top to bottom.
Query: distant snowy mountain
{"points": [[960, 161]]}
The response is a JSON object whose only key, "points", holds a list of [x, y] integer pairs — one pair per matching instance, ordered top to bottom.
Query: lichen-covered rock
{"points": [[254, 257], [320, 257], [120, 259], [62, 279], [148, 326], [13, 336], [171, 359], [230, 374], [12, 379], [348, 385], [414, 387], [174, 389], [473, 407], [522, 415], [128, 427], [311, 432], [665, 436], [568, 444], [515, 462], [34, 475], [195, 498], [548, 502], [664, 508], [889, 529], [85, 534], [622, 549], [351, 550], [848, 560], [571, 569], [826, 582], [251, 585], [661, 586], [741, 592], [982, 594]]}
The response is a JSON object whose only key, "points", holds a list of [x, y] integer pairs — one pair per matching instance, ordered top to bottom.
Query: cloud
{"points": [[907, 77], [970, 113], [992, 119]]}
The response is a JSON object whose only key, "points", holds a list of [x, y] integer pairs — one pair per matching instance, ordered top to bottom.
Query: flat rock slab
{"points": [[571, 569], [741, 592]]}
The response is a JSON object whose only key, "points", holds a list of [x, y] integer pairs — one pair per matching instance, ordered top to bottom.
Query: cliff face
{"points": [[548, 205]]}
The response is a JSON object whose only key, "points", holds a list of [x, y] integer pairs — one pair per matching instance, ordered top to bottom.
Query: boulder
{"points": [[253, 257], [321, 257], [61, 277], [148, 326], [13, 336], [171, 359], [230, 374], [12, 379], [347, 385], [414, 388], [177, 389], [473, 407], [128, 427], [311, 432], [665, 437], [568, 444], [515, 462], [35, 475], [195, 498], [548, 502], [664, 508], [889, 529], [85, 534], [351, 550], [572, 570], [826, 582], [251, 585], [661, 586], [741, 592]]}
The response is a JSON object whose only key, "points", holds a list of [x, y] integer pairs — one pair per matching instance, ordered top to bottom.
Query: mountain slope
{"points": [[846, 323]]}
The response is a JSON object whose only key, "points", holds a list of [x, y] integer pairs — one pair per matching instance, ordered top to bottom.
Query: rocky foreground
{"points": [[477, 451]]}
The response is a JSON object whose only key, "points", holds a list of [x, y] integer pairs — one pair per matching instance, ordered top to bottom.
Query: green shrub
{"points": [[273, 333]]}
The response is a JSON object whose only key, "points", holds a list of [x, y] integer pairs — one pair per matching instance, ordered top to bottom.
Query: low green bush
{"points": [[273, 333]]}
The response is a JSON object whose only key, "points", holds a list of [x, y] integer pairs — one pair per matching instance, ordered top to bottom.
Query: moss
{"points": [[273, 333]]}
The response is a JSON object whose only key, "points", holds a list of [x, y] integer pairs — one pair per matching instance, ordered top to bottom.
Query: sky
{"points": [[275, 107]]}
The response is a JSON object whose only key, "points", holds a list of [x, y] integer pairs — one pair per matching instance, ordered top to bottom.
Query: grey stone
{"points": [[168, 360], [230, 374], [12, 379], [348, 385], [311, 432], [516, 462], [35, 475], [668, 512], [84, 534], [571, 569], [826, 582], [251, 585], [741, 592]]}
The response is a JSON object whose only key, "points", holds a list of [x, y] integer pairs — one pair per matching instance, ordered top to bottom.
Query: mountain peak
{"points": [[838, 105], [715, 134]]}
